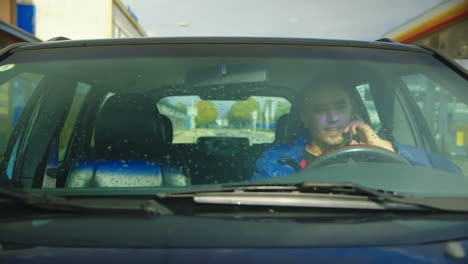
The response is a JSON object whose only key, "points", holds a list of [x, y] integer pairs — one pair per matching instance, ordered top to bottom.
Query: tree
{"points": [[182, 107], [281, 109], [242, 111], [207, 113]]}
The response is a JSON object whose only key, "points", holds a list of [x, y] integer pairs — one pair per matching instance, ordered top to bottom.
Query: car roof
{"points": [[218, 40]]}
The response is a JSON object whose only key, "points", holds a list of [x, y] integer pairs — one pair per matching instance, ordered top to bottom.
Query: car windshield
{"points": [[174, 117]]}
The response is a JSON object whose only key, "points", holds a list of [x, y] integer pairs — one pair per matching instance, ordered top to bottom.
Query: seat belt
{"points": [[292, 163]]}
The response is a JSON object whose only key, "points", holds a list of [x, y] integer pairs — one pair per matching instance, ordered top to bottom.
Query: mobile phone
{"points": [[347, 138]]}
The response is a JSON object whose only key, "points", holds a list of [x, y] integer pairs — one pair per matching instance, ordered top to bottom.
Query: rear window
{"points": [[255, 118]]}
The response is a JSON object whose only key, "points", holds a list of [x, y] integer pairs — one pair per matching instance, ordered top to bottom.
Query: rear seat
{"points": [[168, 129], [223, 159], [220, 160]]}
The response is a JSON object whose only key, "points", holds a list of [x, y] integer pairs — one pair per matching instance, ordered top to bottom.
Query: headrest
{"points": [[281, 126], [127, 127], [168, 129], [222, 146]]}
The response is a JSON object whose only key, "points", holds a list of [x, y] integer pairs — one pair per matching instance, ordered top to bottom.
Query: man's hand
{"points": [[367, 135]]}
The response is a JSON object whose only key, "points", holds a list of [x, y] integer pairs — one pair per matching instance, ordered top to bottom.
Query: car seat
{"points": [[168, 129], [280, 130], [131, 148]]}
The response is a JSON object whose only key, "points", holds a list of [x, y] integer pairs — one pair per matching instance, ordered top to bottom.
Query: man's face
{"points": [[326, 112]]}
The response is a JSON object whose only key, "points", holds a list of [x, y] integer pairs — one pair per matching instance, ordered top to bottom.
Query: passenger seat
{"points": [[131, 148]]}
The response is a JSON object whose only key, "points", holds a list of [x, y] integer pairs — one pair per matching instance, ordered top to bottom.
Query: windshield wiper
{"points": [[323, 195], [29, 197], [56, 203], [457, 204]]}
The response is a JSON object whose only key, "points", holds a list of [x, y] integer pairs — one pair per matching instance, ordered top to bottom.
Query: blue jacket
{"points": [[269, 164]]}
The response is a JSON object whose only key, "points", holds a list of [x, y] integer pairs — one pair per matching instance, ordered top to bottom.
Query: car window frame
{"points": [[393, 91], [412, 119], [423, 132], [16, 143], [34, 160]]}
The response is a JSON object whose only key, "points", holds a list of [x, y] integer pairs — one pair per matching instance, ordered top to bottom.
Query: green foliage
{"points": [[182, 107], [282, 108], [241, 111], [207, 112]]}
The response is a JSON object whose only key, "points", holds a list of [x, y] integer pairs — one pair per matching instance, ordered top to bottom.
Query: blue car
{"points": [[232, 150]]}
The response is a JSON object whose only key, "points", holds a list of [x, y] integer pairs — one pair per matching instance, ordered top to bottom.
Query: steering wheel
{"points": [[357, 153]]}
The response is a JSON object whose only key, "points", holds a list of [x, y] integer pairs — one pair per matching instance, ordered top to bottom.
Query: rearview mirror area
{"points": [[227, 74]]}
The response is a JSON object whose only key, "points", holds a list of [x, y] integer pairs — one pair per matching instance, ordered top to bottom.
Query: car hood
{"points": [[328, 238], [433, 253]]}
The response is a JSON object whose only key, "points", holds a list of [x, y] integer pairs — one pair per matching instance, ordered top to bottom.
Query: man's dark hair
{"points": [[323, 82]]}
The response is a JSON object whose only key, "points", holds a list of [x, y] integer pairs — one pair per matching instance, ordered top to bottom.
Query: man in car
{"points": [[326, 112]]}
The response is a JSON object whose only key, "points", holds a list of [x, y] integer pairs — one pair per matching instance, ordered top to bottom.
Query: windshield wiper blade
{"points": [[304, 187], [349, 189], [333, 195], [29, 197], [41, 201], [56, 203], [457, 204]]}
